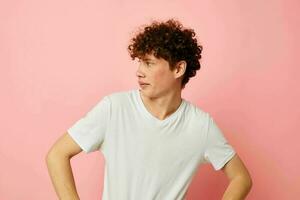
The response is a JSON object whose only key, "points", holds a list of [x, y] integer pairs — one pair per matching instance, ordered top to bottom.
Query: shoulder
{"points": [[120, 97], [196, 110], [196, 114]]}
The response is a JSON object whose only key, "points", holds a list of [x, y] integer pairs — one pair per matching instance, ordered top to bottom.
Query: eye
{"points": [[145, 62]]}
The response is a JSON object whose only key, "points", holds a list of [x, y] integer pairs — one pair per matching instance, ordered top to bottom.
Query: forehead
{"points": [[150, 57]]}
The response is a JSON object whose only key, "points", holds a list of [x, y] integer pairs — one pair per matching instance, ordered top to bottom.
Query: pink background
{"points": [[57, 58]]}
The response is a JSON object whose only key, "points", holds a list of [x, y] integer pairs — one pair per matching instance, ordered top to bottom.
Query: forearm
{"points": [[62, 178], [237, 189]]}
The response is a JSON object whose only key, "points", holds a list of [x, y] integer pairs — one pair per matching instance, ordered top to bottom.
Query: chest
{"points": [[145, 146]]}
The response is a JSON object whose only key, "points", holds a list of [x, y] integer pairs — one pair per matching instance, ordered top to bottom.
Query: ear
{"points": [[180, 69]]}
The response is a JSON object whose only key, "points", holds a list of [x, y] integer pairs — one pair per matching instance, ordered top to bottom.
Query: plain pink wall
{"points": [[58, 58]]}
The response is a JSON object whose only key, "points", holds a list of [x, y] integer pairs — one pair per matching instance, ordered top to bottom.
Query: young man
{"points": [[152, 139]]}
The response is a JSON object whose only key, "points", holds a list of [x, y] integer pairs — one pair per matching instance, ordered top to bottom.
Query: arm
{"points": [[59, 168], [240, 180]]}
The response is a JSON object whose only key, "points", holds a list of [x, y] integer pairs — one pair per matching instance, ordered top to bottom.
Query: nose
{"points": [[139, 72], [139, 75]]}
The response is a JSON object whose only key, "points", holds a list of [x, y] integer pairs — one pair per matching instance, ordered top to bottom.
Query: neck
{"points": [[163, 106]]}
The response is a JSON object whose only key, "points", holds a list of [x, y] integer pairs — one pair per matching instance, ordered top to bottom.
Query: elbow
{"points": [[52, 156], [49, 157], [247, 182], [250, 183]]}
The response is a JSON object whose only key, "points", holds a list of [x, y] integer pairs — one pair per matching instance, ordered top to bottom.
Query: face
{"points": [[157, 75]]}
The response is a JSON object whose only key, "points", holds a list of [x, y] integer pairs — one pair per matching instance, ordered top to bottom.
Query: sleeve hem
{"points": [[77, 140], [226, 159]]}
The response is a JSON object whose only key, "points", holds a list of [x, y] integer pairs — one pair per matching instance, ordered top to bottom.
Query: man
{"points": [[152, 139]]}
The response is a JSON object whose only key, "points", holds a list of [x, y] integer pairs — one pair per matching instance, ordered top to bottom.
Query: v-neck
{"points": [[151, 116]]}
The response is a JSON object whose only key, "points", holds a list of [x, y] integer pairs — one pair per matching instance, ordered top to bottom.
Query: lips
{"points": [[143, 83]]}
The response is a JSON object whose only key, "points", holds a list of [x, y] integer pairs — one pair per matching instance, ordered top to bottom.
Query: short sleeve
{"points": [[89, 131], [217, 149]]}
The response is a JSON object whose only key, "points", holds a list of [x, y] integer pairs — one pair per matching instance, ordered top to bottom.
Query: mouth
{"points": [[142, 83]]}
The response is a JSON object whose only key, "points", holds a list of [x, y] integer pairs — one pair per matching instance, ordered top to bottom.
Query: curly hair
{"points": [[170, 41]]}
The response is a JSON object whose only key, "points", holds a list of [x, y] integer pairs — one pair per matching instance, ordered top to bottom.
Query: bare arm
{"points": [[59, 167], [240, 180]]}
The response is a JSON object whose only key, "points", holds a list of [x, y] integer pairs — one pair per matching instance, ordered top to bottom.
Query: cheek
{"points": [[159, 75], [162, 77]]}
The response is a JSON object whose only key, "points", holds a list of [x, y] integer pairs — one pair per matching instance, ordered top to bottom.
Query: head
{"points": [[168, 55]]}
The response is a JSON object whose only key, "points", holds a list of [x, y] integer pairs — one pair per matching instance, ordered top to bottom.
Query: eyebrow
{"points": [[147, 59]]}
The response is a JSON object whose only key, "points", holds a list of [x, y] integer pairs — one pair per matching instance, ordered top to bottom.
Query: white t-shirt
{"points": [[145, 157]]}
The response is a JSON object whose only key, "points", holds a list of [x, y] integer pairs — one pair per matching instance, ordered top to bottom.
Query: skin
{"points": [[162, 97], [59, 167], [240, 182]]}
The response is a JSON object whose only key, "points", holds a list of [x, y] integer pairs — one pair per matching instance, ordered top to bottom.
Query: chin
{"points": [[146, 93]]}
